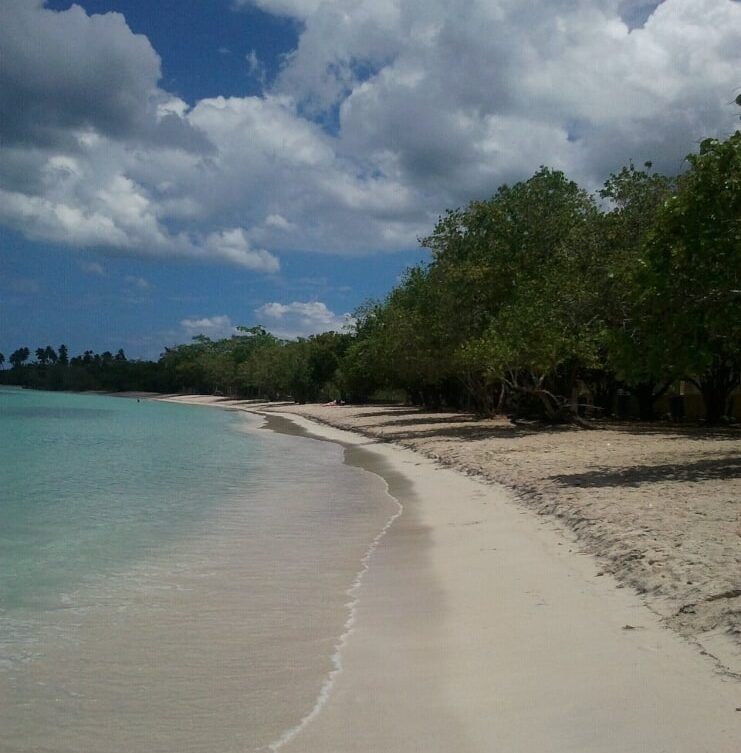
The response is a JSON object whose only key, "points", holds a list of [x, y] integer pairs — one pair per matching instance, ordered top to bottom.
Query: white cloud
{"points": [[294, 8], [256, 67], [73, 70], [67, 71], [474, 99], [430, 107], [277, 221], [233, 246], [92, 268], [138, 283], [301, 319], [215, 327]]}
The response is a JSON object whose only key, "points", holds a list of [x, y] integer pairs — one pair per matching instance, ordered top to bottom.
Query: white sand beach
{"points": [[481, 626]]}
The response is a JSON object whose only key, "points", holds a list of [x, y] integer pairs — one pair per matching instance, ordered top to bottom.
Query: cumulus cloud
{"points": [[67, 71], [52, 80], [472, 99], [386, 113], [233, 246], [301, 319], [215, 327]]}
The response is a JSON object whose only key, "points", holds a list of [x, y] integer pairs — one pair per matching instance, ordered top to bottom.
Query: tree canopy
{"points": [[536, 302]]}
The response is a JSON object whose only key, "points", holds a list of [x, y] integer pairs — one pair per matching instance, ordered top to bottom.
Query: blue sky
{"points": [[203, 44], [185, 166]]}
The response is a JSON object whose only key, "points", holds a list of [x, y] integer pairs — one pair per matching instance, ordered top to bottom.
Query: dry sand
{"points": [[659, 506], [479, 629]]}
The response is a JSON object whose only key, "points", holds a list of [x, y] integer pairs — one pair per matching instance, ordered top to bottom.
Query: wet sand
{"points": [[659, 506], [480, 627]]}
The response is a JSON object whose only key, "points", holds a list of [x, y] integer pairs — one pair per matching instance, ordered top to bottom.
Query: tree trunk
{"points": [[716, 384], [604, 389], [644, 393], [647, 395], [502, 398], [715, 403]]}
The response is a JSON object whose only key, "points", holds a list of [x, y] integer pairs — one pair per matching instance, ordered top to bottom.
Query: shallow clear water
{"points": [[172, 578]]}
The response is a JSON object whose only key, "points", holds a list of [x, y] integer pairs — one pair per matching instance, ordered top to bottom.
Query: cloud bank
{"points": [[387, 113], [301, 319], [216, 327]]}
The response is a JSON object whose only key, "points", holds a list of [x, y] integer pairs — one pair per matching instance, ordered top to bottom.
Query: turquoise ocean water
{"points": [[172, 578]]}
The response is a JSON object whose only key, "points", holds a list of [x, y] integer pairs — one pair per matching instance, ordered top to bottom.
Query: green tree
{"points": [[636, 197], [692, 276], [514, 300], [325, 352], [19, 357], [362, 368]]}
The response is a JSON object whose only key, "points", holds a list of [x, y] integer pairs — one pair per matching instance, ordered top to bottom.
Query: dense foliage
{"points": [[542, 301], [538, 302], [55, 370]]}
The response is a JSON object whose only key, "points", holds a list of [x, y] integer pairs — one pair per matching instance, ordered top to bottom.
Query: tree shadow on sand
{"points": [[386, 411], [462, 426], [696, 432], [702, 470]]}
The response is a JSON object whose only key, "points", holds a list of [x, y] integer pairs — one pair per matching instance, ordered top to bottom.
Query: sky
{"points": [[176, 167]]}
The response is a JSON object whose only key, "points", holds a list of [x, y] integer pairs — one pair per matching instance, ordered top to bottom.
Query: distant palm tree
{"points": [[18, 357]]}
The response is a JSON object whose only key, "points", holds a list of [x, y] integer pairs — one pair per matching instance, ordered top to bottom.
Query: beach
{"points": [[658, 505], [172, 579], [484, 621]]}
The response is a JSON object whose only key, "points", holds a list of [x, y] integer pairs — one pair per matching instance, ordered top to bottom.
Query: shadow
{"points": [[386, 410], [422, 416], [430, 420], [460, 425], [468, 432], [696, 432], [702, 470]]}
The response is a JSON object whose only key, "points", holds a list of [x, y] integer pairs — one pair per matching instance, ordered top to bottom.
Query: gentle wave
{"points": [[170, 581], [354, 593]]}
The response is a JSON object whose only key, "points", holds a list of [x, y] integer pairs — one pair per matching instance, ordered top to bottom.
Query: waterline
{"points": [[208, 622]]}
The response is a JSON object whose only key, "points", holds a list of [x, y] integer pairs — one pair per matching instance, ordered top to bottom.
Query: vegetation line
{"points": [[543, 301]]}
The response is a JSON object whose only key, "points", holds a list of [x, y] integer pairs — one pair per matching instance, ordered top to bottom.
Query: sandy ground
{"points": [[658, 506], [482, 627]]}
